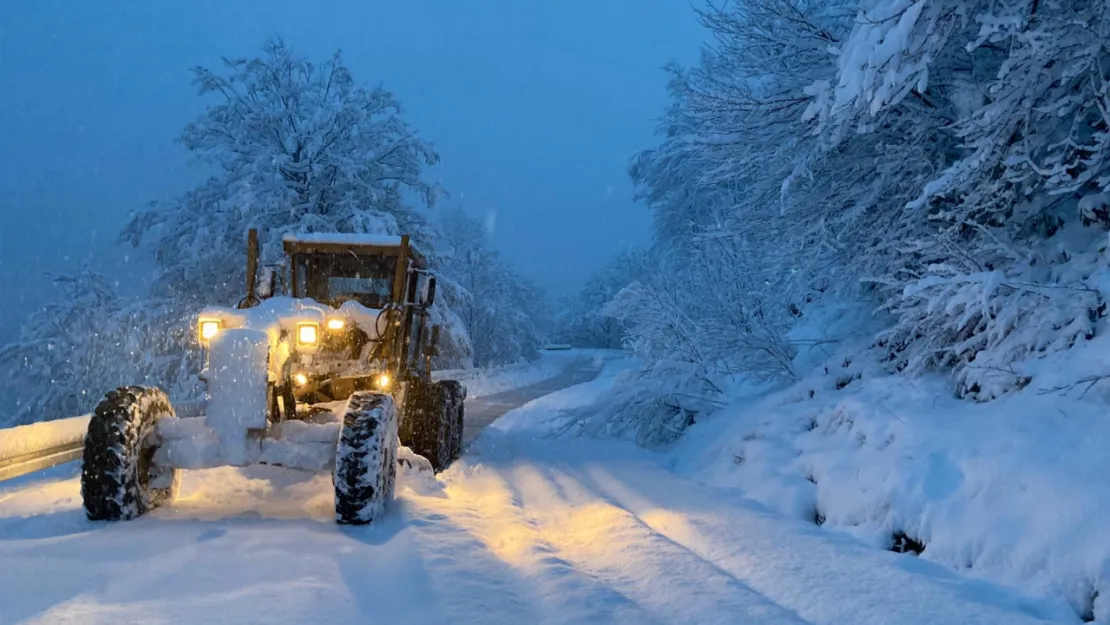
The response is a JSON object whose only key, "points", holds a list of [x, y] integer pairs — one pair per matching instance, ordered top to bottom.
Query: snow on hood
{"points": [[284, 313], [271, 316], [369, 320]]}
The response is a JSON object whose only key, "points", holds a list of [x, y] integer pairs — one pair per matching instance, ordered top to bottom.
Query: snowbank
{"points": [[36, 437], [1013, 490]]}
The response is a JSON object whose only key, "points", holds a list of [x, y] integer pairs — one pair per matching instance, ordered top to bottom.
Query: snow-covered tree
{"points": [[292, 146], [937, 159], [1004, 272], [503, 313], [581, 319], [73, 350]]}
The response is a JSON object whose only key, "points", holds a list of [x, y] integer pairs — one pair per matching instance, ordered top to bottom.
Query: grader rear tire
{"points": [[454, 396], [431, 426], [119, 480]]}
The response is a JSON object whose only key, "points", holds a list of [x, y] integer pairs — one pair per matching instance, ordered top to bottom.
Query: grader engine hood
{"points": [[293, 325], [255, 350]]}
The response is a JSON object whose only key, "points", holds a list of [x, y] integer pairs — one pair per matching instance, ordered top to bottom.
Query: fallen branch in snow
{"points": [[1090, 381]]}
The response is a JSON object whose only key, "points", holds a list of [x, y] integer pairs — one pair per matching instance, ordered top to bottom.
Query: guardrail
{"points": [[29, 448]]}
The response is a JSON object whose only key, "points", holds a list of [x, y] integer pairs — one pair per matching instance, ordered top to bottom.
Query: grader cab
{"points": [[325, 364]]}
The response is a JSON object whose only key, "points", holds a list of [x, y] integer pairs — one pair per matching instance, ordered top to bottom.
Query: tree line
{"points": [[937, 170]]}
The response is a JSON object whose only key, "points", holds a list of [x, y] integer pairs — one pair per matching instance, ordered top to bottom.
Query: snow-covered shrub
{"points": [[1095, 209], [709, 309], [696, 318], [984, 324], [653, 406]]}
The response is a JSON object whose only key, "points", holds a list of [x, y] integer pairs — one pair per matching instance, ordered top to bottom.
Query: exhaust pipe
{"points": [[251, 299]]}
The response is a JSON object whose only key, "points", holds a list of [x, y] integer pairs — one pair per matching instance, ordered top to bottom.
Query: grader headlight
{"points": [[335, 324], [208, 328], [308, 334], [383, 381]]}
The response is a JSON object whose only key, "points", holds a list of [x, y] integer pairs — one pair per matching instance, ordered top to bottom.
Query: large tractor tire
{"points": [[454, 396], [431, 427], [366, 459], [119, 479]]}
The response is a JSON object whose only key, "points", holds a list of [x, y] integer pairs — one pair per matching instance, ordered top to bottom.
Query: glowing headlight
{"points": [[336, 324], [209, 328], [307, 333], [301, 379], [383, 381]]}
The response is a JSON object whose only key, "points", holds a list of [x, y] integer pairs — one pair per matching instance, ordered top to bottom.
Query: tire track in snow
{"points": [[482, 502], [610, 544], [250, 546], [792, 562], [464, 581]]}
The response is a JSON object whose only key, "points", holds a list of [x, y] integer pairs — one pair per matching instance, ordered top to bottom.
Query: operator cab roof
{"points": [[340, 242]]}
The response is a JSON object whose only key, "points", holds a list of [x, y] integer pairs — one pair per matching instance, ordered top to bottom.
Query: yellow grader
{"points": [[325, 364]]}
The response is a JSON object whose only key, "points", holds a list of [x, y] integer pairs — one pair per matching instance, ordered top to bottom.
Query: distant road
{"points": [[483, 411]]}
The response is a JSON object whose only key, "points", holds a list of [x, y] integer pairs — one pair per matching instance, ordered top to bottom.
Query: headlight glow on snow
{"points": [[336, 324], [209, 328], [307, 333], [301, 379], [383, 381]]}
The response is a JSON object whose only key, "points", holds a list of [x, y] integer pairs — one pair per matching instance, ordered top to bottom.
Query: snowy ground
{"points": [[525, 528]]}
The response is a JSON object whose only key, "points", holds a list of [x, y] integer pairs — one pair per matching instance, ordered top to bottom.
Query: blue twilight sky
{"points": [[536, 107]]}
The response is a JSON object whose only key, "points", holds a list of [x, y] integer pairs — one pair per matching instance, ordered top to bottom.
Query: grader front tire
{"points": [[366, 459], [119, 480]]}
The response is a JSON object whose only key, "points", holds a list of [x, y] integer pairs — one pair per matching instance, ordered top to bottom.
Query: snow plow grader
{"points": [[325, 364]]}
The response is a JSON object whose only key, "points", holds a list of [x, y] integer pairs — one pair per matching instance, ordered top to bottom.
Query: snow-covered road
{"points": [[482, 411], [524, 529]]}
